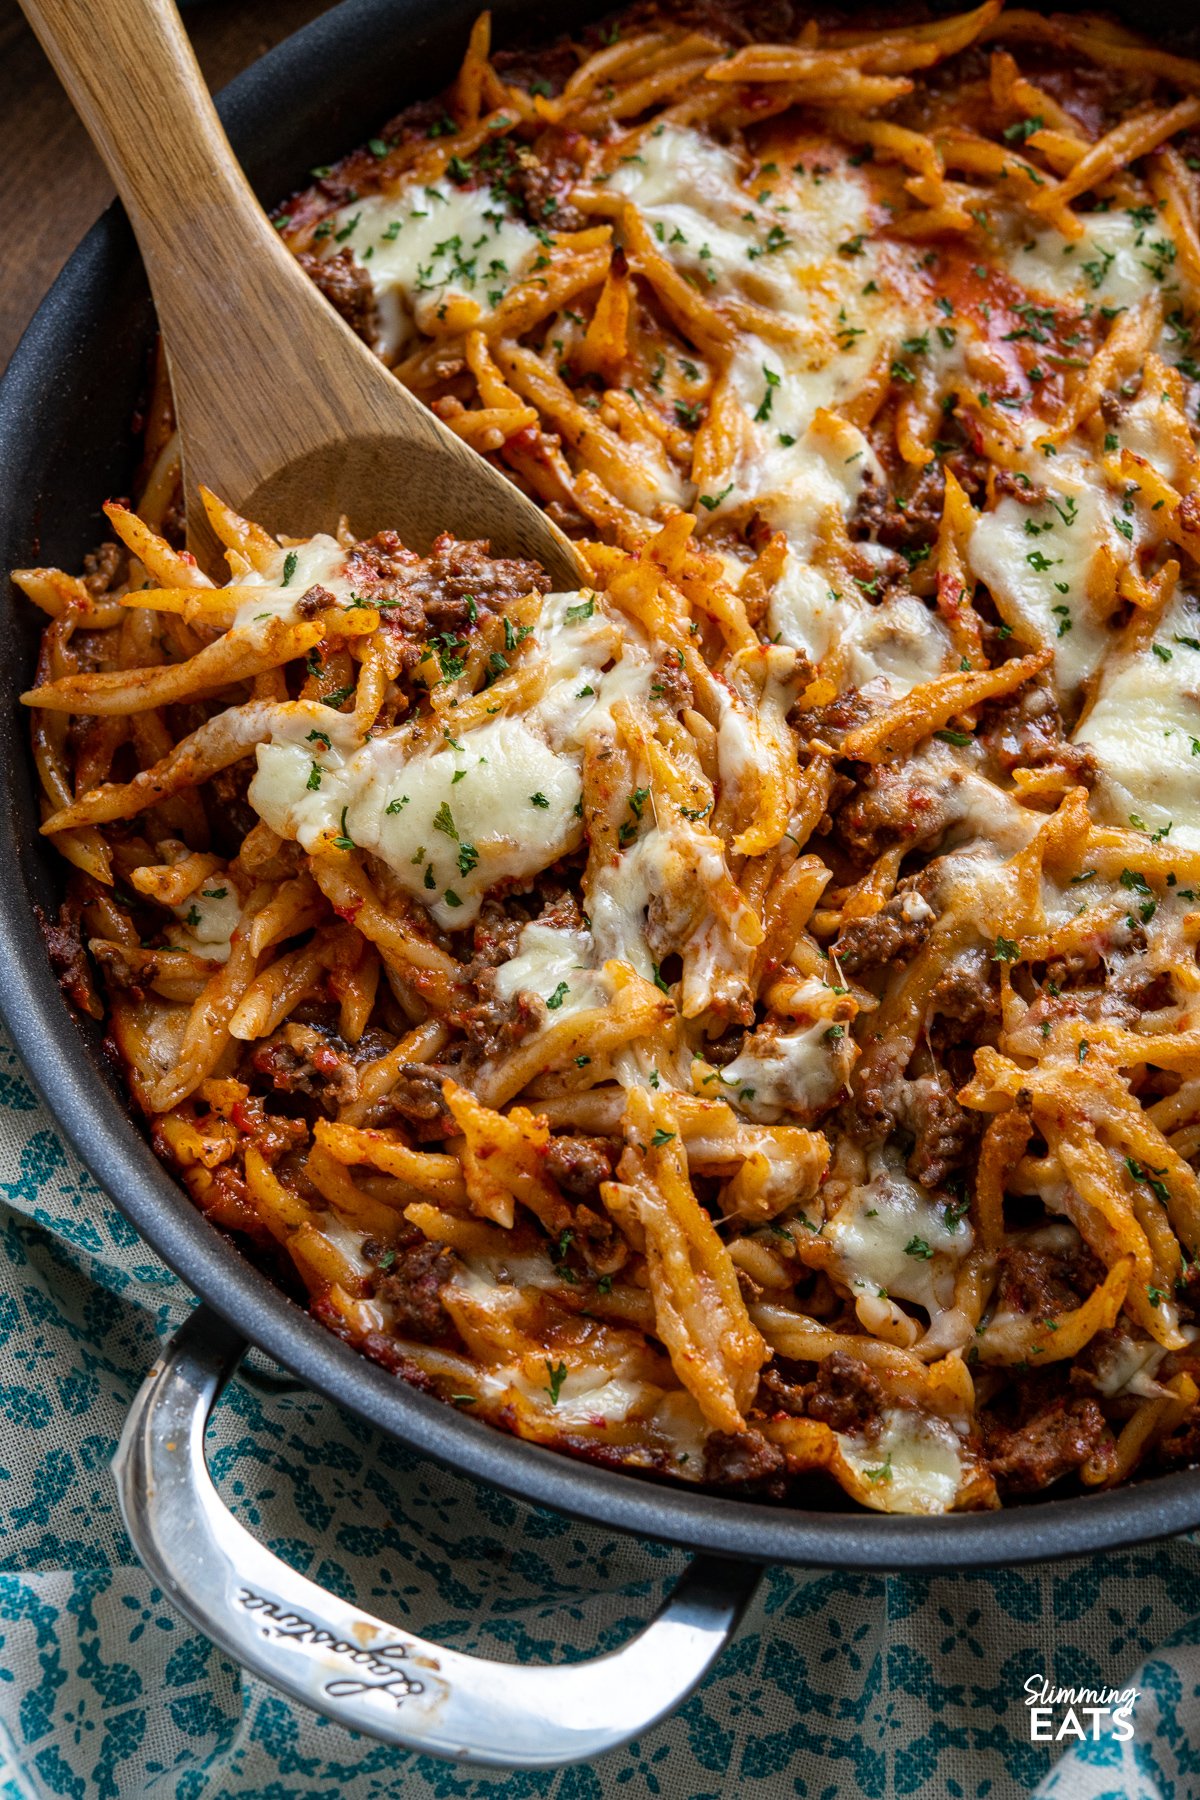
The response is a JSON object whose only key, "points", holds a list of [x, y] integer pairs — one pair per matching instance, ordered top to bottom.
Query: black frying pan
{"points": [[65, 445]]}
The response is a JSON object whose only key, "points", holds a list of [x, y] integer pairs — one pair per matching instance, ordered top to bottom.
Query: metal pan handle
{"points": [[353, 1667]]}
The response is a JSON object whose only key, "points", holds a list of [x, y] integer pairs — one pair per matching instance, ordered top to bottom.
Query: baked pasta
{"points": [[737, 1021]]}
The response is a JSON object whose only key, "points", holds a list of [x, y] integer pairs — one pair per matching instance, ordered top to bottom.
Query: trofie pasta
{"points": [[739, 1021]]}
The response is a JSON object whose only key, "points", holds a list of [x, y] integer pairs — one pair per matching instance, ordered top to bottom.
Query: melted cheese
{"points": [[429, 245], [799, 248], [1117, 260], [317, 562], [1047, 566], [1145, 731], [454, 817], [450, 820], [673, 873], [207, 920], [556, 964], [797, 1072], [893, 1242], [914, 1465]]}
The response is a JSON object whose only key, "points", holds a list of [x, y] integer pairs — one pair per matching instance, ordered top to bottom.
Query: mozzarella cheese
{"points": [[428, 245], [799, 248], [1119, 257], [318, 561], [1051, 568], [1145, 731], [453, 817], [555, 963], [798, 1072], [892, 1242], [913, 1465]]}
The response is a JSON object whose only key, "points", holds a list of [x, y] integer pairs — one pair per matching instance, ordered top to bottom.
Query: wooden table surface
{"points": [[56, 185]]}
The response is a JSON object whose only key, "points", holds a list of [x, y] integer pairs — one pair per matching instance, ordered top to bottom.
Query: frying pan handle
{"points": [[354, 1667]]}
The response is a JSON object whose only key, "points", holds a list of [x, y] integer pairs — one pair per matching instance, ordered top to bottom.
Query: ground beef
{"points": [[745, 22], [547, 68], [542, 180], [347, 287], [972, 473], [1018, 487], [906, 522], [105, 568], [453, 587], [314, 601], [831, 723], [1025, 731], [890, 806], [230, 815], [892, 934], [497, 936], [68, 956], [963, 1002], [492, 1024], [721, 1051], [302, 1059], [416, 1101], [943, 1131], [273, 1135], [580, 1164], [1045, 1282], [412, 1283], [844, 1394], [1060, 1436], [744, 1459]]}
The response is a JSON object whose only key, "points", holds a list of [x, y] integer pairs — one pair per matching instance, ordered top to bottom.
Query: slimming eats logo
{"points": [[1057, 1714]]}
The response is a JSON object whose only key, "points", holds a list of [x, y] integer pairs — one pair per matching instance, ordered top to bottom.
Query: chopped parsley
{"points": [[764, 411], [710, 502], [1151, 1177], [557, 1374]]}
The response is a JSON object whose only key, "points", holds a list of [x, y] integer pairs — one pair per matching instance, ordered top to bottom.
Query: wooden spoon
{"points": [[282, 410]]}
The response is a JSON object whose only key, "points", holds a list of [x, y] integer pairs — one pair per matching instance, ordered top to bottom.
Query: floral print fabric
{"points": [[837, 1684]]}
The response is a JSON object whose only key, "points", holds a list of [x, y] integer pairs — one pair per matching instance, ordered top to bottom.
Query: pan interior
{"points": [[66, 406]]}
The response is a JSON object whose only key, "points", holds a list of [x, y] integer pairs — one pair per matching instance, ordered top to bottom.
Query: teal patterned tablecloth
{"points": [[837, 1684]]}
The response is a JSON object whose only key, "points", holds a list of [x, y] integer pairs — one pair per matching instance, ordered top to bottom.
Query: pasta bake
{"points": [[739, 1021]]}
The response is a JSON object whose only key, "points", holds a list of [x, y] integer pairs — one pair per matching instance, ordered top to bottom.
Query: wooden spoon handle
{"points": [[130, 70]]}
